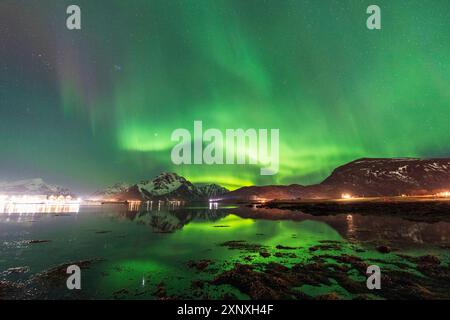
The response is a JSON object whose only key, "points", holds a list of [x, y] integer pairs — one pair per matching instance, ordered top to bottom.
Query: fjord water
{"points": [[147, 253]]}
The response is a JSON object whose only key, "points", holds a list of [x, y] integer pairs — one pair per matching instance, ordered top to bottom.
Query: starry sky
{"points": [[88, 108]]}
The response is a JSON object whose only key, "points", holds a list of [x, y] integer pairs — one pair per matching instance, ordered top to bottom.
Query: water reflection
{"points": [[135, 206], [213, 206], [30, 208], [172, 216], [163, 217], [365, 228]]}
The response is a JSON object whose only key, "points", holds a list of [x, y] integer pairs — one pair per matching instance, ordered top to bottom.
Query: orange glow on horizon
{"points": [[444, 194]]}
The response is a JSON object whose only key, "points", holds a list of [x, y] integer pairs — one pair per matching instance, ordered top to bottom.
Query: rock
{"points": [[103, 231], [38, 241], [242, 245], [280, 247], [325, 247], [384, 249], [285, 255], [429, 259], [200, 265], [16, 270], [197, 284], [258, 285], [10, 290], [161, 291], [121, 292], [229, 296], [328, 296]]}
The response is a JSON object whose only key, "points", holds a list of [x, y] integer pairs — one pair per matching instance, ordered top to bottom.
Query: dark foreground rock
{"points": [[276, 281], [49, 284]]}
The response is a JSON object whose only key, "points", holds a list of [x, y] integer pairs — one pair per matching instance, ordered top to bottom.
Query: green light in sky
{"points": [[111, 94]]}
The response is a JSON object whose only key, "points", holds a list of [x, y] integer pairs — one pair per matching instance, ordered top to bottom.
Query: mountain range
{"points": [[368, 177], [166, 186], [31, 187]]}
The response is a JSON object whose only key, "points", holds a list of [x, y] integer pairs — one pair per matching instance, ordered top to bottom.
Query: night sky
{"points": [[93, 107]]}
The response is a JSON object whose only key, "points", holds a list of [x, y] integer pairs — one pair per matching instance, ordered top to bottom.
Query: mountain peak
{"points": [[369, 177], [165, 186], [32, 187]]}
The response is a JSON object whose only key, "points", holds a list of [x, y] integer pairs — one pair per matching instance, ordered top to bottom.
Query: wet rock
{"points": [[38, 241], [330, 241], [242, 245], [280, 247], [325, 247], [384, 249], [285, 255], [429, 259], [356, 262], [200, 265], [272, 266], [16, 270], [277, 281], [49, 283], [197, 284], [257, 285], [10, 290], [122, 291], [160, 291], [140, 293], [229, 296], [328, 296], [361, 297]]}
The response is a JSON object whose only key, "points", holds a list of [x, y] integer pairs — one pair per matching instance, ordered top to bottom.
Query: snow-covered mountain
{"points": [[363, 177], [380, 177], [166, 186], [32, 187], [211, 191], [109, 192], [254, 193]]}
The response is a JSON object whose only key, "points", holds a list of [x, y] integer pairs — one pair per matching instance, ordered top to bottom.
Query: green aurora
{"points": [[92, 107]]}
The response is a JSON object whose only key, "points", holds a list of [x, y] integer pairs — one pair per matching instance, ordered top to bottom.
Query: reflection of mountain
{"points": [[363, 177], [166, 186], [165, 221], [363, 228]]}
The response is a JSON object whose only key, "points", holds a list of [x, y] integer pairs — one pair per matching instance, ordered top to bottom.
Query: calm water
{"points": [[152, 253]]}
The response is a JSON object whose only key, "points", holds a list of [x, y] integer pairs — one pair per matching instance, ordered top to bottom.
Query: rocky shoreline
{"points": [[420, 211]]}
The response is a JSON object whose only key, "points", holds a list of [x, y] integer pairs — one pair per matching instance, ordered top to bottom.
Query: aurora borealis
{"points": [[96, 106]]}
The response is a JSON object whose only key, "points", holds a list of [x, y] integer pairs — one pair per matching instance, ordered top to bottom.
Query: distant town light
{"points": [[444, 194], [346, 196], [39, 199], [213, 205]]}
